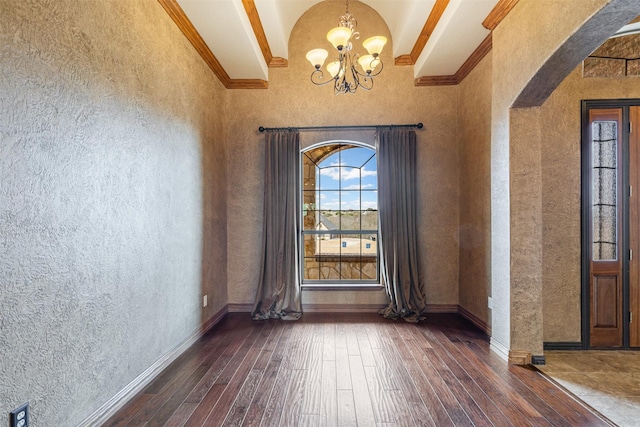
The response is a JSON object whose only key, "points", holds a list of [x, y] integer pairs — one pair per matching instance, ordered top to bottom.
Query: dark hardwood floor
{"points": [[351, 370]]}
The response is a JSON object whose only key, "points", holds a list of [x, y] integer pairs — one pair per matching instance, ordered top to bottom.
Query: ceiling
{"points": [[241, 39]]}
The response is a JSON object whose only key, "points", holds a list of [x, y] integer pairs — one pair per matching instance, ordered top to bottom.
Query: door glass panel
{"points": [[604, 189]]}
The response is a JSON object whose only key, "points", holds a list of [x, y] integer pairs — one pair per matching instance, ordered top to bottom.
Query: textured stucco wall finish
{"points": [[292, 100], [474, 132], [516, 146], [112, 199]]}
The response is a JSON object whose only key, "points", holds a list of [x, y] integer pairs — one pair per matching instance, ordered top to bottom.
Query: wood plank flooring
{"points": [[349, 370]]}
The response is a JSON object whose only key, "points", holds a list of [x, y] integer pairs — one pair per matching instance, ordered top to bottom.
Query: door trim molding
{"points": [[585, 190], [585, 196]]}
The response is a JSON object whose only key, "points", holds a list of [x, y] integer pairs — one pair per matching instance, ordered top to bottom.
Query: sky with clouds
{"points": [[357, 178]]}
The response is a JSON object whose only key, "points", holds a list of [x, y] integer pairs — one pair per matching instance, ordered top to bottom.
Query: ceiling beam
{"points": [[178, 16], [258, 30], [427, 30]]}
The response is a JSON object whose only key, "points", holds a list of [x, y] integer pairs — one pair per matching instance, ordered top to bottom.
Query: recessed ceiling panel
{"points": [[278, 18], [405, 19], [225, 28], [454, 39]]}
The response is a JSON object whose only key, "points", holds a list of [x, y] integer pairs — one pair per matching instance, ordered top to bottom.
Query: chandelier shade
{"points": [[339, 37], [374, 45], [317, 57], [368, 63], [334, 68], [349, 71]]}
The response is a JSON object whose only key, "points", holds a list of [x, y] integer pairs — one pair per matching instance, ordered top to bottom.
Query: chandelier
{"points": [[346, 76]]}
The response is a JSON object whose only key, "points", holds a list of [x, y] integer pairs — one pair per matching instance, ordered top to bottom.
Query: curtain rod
{"points": [[303, 128]]}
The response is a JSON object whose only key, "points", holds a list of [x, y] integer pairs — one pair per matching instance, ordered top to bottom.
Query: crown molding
{"points": [[173, 9], [498, 13], [474, 59], [403, 60], [278, 62], [436, 81], [247, 84]]}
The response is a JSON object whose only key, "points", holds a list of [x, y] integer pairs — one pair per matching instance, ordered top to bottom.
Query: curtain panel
{"points": [[397, 204], [279, 294]]}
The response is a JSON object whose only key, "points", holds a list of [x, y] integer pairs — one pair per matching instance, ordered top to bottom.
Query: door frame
{"points": [[585, 209]]}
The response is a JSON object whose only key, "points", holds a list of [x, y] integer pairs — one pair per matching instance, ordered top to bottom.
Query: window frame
{"points": [[336, 284]]}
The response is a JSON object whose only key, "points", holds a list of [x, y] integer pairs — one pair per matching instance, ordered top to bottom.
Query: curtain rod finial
{"points": [[420, 125], [261, 129]]}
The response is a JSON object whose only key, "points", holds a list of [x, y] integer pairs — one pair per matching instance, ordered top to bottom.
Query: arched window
{"points": [[340, 214]]}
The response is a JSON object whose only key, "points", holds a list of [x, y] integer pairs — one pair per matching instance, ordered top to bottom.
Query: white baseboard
{"points": [[499, 349], [113, 405]]}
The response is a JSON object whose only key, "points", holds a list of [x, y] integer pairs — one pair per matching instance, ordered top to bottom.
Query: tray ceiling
{"points": [[244, 38]]}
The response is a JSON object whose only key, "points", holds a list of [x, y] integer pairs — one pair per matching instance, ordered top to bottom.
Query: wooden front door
{"points": [[611, 224], [606, 243]]}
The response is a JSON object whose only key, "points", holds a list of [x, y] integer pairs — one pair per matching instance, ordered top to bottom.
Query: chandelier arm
{"points": [[379, 69], [318, 74], [372, 74], [356, 79], [365, 83], [338, 86], [342, 86], [352, 87]]}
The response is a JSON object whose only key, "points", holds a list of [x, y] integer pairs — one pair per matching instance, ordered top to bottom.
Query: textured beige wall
{"points": [[535, 71], [292, 100], [560, 116], [474, 133], [112, 202], [526, 230], [516, 283]]}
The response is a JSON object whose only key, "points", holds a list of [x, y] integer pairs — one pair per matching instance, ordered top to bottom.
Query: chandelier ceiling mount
{"points": [[348, 71]]}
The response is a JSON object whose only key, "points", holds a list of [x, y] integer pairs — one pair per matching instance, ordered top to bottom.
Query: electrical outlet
{"points": [[204, 301], [490, 302], [19, 417]]}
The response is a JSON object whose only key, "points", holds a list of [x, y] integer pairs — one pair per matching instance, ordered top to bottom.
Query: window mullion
{"points": [[327, 261]]}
